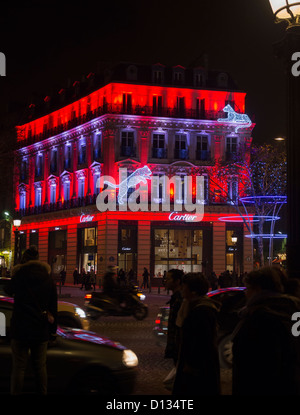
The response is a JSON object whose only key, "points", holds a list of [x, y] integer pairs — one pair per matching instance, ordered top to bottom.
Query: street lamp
{"points": [[286, 10], [289, 12], [17, 224], [234, 240]]}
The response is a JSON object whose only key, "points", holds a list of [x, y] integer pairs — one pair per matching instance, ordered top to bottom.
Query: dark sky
{"points": [[47, 42]]}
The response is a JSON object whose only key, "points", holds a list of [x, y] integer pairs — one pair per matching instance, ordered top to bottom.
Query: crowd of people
{"points": [[266, 355]]}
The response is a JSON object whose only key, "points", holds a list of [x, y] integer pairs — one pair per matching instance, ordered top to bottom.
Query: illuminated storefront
{"points": [[171, 131]]}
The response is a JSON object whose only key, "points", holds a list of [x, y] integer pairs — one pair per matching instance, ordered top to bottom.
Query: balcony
{"points": [[118, 109], [128, 151], [159, 153], [181, 154], [203, 155]]}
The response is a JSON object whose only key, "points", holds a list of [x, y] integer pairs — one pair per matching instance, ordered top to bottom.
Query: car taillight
{"points": [[88, 296], [157, 321]]}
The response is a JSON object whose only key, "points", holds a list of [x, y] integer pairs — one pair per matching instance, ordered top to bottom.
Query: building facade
{"points": [[183, 122]]}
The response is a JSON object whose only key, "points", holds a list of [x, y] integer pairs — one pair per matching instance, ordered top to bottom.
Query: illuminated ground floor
{"points": [[85, 238]]}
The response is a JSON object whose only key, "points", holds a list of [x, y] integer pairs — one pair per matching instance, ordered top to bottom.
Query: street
{"points": [[138, 336]]}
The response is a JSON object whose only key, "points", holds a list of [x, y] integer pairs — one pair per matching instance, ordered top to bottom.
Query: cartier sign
{"points": [[86, 218]]}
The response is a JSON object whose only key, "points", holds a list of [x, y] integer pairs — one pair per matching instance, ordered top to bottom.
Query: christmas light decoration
{"points": [[233, 117]]}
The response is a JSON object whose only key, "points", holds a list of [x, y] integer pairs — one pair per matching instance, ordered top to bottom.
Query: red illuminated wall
{"points": [[142, 95]]}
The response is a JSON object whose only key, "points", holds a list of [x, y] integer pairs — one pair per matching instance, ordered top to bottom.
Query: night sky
{"points": [[47, 42]]}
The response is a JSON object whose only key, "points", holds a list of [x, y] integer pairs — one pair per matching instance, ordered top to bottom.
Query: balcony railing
{"points": [[118, 109], [159, 153]]}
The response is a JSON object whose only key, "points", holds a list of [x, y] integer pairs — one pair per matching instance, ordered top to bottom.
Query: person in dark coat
{"points": [[173, 282], [34, 319], [265, 353], [198, 369]]}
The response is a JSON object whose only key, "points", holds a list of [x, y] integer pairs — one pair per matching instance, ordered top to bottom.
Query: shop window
{"points": [[177, 248], [87, 249], [127, 250]]}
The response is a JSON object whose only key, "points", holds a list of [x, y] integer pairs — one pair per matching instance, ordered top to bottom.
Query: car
{"points": [[230, 301], [68, 314], [79, 362]]}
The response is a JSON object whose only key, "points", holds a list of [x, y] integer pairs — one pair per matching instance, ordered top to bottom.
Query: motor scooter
{"points": [[126, 302]]}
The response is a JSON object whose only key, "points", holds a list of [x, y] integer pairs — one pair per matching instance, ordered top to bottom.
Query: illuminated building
{"points": [[135, 115]]}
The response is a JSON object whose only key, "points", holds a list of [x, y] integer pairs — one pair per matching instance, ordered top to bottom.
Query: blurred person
{"points": [[75, 276], [145, 278], [173, 282], [110, 286], [34, 319], [265, 353], [198, 369]]}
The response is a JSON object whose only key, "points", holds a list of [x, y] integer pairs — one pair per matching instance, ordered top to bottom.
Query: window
{"points": [[158, 76], [127, 103], [157, 105], [180, 106], [200, 108], [127, 144], [97, 146], [158, 146], [231, 148], [202, 149], [181, 151], [82, 153], [68, 156], [53, 161], [39, 165], [23, 171], [81, 184], [67, 190], [233, 191], [53, 193], [38, 195], [22, 200]]}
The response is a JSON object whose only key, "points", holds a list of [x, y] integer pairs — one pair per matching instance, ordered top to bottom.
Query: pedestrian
{"points": [[63, 275], [75, 276], [83, 278], [93, 278], [145, 278], [213, 281], [173, 283], [34, 319], [265, 353], [198, 370]]}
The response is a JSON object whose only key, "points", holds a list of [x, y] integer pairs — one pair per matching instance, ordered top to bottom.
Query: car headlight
{"points": [[80, 312], [129, 358]]}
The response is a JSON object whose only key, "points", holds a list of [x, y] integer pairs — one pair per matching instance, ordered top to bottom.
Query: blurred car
{"points": [[230, 301], [68, 314], [78, 362]]}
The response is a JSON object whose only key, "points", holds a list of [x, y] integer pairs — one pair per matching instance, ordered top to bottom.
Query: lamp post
{"points": [[287, 50], [17, 224]]}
